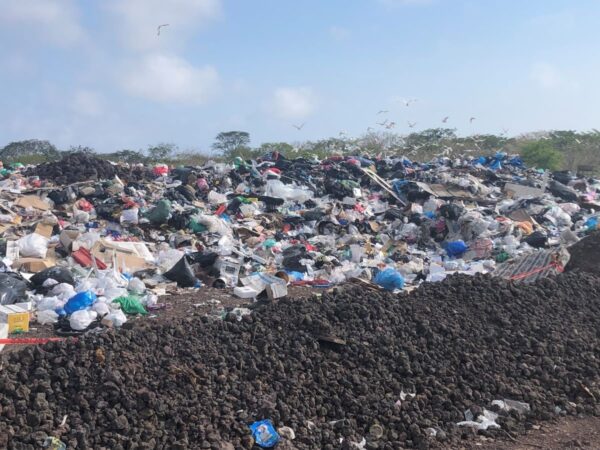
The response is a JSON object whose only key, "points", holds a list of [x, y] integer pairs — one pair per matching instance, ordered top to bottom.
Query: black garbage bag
{"points": [[562, 176], [560, 190], [59, 197], [451, 211], [314, 214], [537, 239], [292, 256], [203, 259], [182, 273], [60, 274], [12, 288]]}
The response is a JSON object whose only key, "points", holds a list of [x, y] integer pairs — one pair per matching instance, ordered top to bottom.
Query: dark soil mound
{"points": [[73, 168], [585, 254], [458, 344]]}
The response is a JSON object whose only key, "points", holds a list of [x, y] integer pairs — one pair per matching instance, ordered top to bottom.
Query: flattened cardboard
{"points": [[32, 201]]}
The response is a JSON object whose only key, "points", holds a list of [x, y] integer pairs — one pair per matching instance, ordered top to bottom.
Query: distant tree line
{"points": [[547, 150]]}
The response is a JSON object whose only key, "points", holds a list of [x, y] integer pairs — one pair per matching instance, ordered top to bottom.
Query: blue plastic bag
{"points": [[591, 223], [456, 248], [389, 279], [80, 301], [264, 433]]}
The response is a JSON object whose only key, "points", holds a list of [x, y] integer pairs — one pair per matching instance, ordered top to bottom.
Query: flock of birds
{"points": [[388, 124]]}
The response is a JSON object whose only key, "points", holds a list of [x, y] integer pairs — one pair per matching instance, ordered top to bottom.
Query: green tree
{"points": [[232, 143], [42, 150], [161, 151], [542, 155], [128, 156]]}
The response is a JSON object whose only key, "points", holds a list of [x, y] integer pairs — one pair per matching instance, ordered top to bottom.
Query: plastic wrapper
{"points": [[264, 433]]}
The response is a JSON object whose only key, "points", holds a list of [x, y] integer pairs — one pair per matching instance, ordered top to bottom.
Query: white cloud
{"points": [[55, 20], [139, 20], [339, 33], [546, 75], [165, 78], [293, 102], [87, 103]]}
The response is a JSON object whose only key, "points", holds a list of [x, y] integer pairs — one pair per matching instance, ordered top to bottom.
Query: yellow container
{"points": [[16, 317]]}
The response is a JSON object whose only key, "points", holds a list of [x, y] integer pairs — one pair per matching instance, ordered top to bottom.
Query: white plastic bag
{"points": [[214, 198], [130, 216], [33, 246], [136, 286], [63, 291], [49, 303], [101, 308], [46, 316], [117, 317], [82, 319]]}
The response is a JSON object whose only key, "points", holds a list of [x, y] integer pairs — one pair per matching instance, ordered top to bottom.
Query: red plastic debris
{"points": [[83, 257]]}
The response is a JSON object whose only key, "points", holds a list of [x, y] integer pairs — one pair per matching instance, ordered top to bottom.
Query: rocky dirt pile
{"points": [[73, 168], [585, 254], [456, 345]]}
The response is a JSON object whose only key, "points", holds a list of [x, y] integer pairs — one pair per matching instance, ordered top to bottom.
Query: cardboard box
{"points": [[44, 229], [34, 265], [276, 289], [17, 318]]}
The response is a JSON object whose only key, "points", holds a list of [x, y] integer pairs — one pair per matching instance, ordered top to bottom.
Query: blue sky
{"points": [[95, 72]]}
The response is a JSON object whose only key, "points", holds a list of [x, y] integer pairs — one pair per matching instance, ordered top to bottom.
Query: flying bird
{"points": [[159, 27], [408, 101], [382, 111], [445, 119], [472, 119], [383, 124], [411, 124], [390, 125], [299, 127], [504, 131]]}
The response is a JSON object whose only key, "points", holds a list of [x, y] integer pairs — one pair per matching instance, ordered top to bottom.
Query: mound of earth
{"points": [[341, 367]]}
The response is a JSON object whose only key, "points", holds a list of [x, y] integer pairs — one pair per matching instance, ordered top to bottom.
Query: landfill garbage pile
{"points": [[126, 235], [469, 354]]}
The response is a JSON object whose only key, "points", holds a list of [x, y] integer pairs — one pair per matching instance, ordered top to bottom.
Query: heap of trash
{"points": [[88, 243]]}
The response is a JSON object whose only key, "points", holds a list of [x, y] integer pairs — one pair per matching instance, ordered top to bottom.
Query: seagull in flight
{"points": [[159, 27], [382, 111], [445, 119], [472, 119], [383, 124], [411, 124], [390, 125], [299, 127]]}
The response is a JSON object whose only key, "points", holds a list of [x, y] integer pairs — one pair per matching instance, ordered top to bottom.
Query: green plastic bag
{"points": [[160, 213], [131, 305]]}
